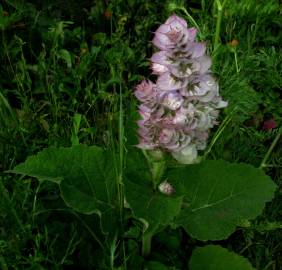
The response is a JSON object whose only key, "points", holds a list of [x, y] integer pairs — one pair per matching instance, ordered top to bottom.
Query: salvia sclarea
{"points": [[179, 109]]}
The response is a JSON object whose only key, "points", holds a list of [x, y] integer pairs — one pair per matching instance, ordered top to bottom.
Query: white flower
{"points": [[188, 155]]}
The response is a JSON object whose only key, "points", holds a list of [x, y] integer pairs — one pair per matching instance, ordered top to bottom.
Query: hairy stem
{"points": [[220, 8], [268, 153], [11, 208], [146, 244]]}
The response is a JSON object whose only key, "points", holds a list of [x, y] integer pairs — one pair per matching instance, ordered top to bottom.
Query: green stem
{"points": [[191, 19], [218, 23], [236, 61], [216, 136], [268, 153], [156, 162], [121, 164], [157, 170], [11, 208], [95, 237], [146, 244], [3, 263]]}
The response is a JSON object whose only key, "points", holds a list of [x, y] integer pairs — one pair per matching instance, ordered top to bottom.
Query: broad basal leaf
{"points": [[85, 175], [219, 196], [147, 204], [217, 258], [154, 265]]}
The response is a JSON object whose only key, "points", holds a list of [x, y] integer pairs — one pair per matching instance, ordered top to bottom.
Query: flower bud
{"points": [[166, 188]]}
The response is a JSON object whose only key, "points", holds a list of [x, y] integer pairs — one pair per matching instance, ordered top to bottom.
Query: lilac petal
{"points": [[175, 18], [163, 29], [173, 31], [192, 32], [172, 34], [161, 41], [197, 50], [161, 58], [205, 64], [158, 69], [181, 69], [167, 82], [205, 89], [212, 89], [145, 91], [172, 101], [221, 104], [145, 112], [180, 119], [203, 120], [144, 132], [166, 136], [146, 145]]}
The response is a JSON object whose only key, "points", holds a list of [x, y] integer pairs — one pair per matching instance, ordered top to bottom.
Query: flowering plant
{"points": [[182, 106], [208, 200]]}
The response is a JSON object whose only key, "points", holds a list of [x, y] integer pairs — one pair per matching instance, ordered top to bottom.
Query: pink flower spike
{"points": [[178, 110]]}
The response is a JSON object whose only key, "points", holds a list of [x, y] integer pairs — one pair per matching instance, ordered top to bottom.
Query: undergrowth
{"points": [[67, 71]]}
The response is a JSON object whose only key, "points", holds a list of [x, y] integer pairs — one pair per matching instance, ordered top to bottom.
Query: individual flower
{"points": [[173, 33], [146, 92], [172, 100], [188, 155]]}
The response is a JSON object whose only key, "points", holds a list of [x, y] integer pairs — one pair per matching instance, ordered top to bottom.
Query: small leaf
{"points": [[65, 55], [76, 125], [218, 195], [217, 258]]}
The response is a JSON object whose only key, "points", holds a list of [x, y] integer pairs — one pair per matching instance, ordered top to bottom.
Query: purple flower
{"points": [[172, 33], [168, 82], [146, 92], [172, 101], [178, 111]]}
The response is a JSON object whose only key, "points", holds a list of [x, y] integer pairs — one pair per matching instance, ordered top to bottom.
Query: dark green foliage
{"points": [[63, 67], [217, 258]]}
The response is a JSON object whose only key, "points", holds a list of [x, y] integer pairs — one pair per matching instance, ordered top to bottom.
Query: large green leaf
{"points": [[85, 175], [219, 196], [149, 205], [217, 258]]}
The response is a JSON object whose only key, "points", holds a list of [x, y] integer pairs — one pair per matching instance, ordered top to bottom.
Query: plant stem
{"points": [[191, 19], [218, 23], [236, 61], [219, 131], [268, 153], [157, 163], [121, 164], [157, 170], [11, 208], [146, 244], [3, 263]]}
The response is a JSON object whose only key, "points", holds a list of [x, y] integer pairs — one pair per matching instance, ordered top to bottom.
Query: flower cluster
{"points": [[179, 109]]}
